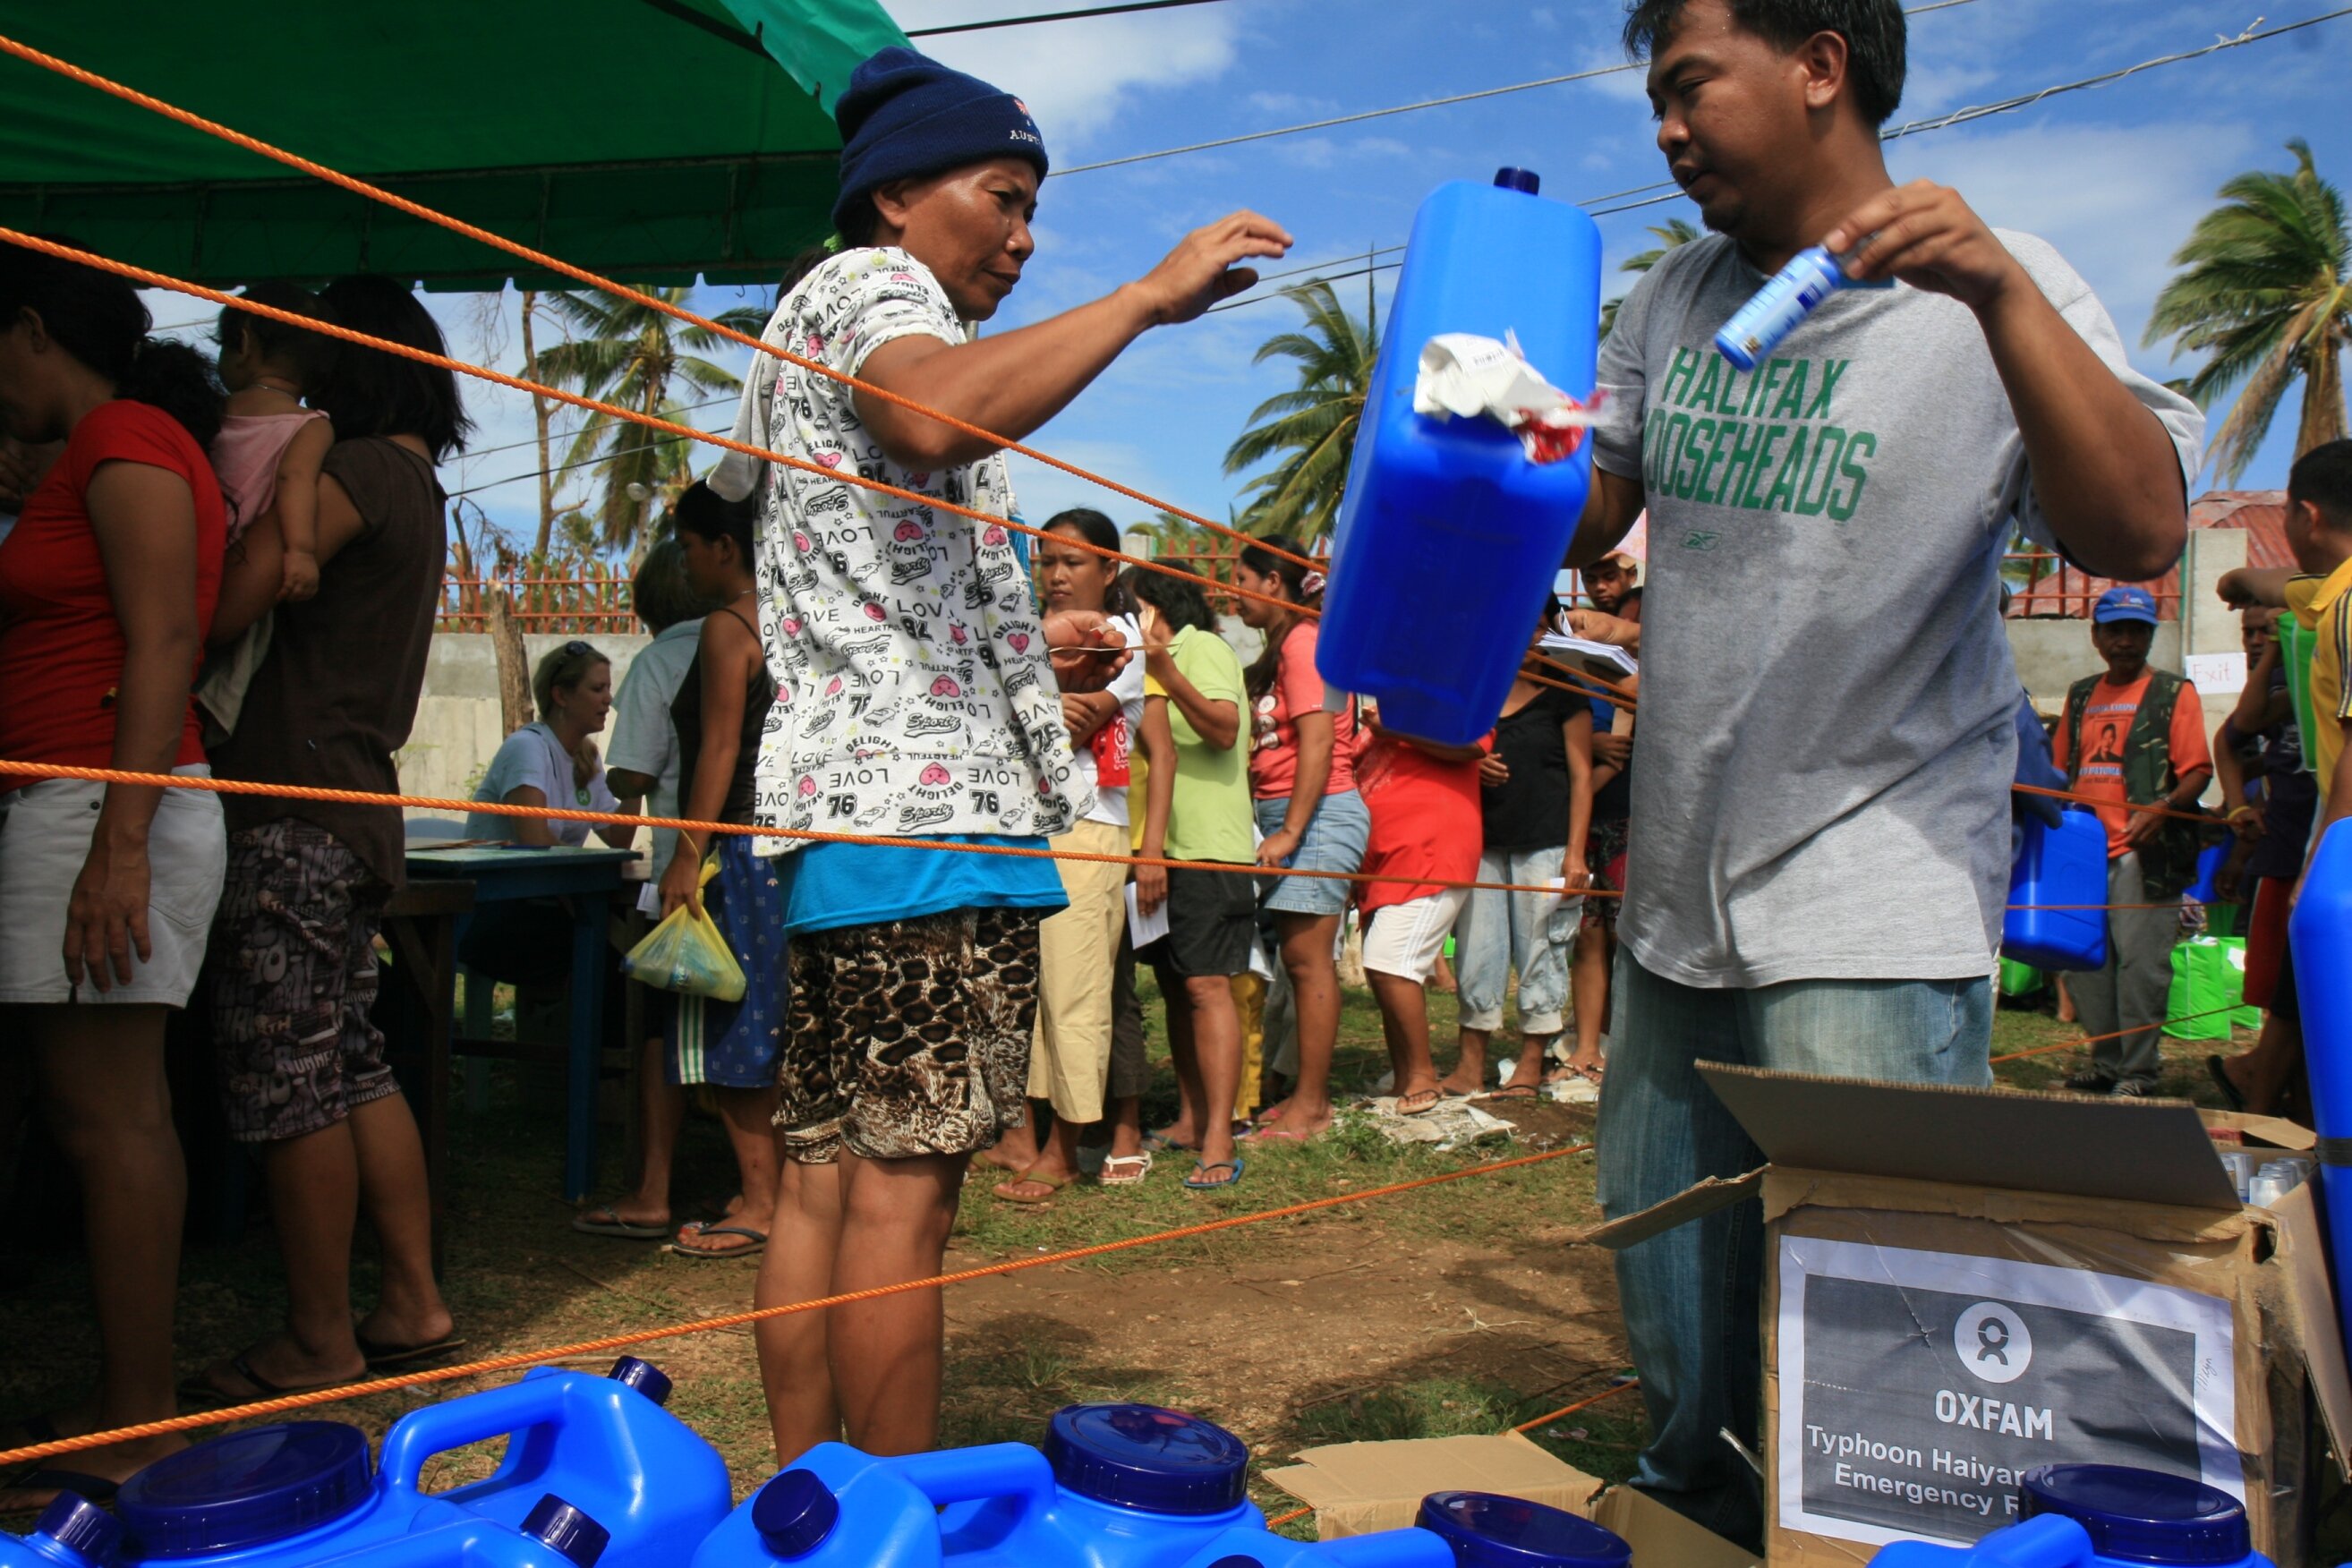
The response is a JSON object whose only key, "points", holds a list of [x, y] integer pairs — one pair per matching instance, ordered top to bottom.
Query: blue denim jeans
{"points": [[1499, 931], [1692, 1297]]}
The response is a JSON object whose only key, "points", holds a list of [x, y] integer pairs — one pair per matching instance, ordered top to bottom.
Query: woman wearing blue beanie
{"points": [[914, 697]]}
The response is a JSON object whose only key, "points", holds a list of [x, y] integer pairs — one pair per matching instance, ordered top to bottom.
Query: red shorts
{"points": [[2266, 939]]}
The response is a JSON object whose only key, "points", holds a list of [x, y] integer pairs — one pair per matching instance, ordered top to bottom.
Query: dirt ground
{"points": [[1458, 1308]]}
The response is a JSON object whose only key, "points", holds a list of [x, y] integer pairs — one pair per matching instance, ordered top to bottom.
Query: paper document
{"points": [[1600, 658], [1143, 929]]}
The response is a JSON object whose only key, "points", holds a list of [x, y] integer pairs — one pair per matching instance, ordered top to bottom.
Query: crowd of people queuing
{"points": [[837, 659]]}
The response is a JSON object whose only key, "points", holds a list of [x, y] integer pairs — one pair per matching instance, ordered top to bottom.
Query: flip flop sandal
{"points": [[1515, 1091], [2230, 1094], [1430, 1100], [1284, 1135], [1155, 1140], [1235, 1167], [1124, 1170], [1051, 1183], [606, 1220], [758, 1239], [383, 1356], [199, 1390], [97, 1488]]}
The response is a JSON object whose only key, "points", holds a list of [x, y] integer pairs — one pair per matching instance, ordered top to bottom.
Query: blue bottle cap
{"points": [[1526, 180], [644, 1376], [1139, 1455], [247, 1490], [794, 1512], [2139, 1516], [74, 1521], [1490, 1532], [574, 1536]]}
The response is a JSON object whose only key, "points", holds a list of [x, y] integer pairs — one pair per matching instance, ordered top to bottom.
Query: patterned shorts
{"points": [[1605, 856], [294, 977], [910, 1037]]}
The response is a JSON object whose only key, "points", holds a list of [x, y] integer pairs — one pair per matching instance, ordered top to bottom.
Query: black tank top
{"points": [[686, 713]]}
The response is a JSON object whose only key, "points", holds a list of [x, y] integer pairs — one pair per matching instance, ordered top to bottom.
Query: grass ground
{"points": [[1468, 1307]]}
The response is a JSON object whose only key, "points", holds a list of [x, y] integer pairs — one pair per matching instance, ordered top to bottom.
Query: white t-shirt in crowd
{"points": [[644, 737], [1117, 737], [533, 756]]}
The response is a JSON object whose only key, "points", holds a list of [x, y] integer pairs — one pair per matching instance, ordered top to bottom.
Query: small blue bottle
{"points": [[1812, 276], [2102, 1516], [72, 1532]]}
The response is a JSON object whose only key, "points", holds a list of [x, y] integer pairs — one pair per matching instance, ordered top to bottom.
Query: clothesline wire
{"points": [[1121, 10]]}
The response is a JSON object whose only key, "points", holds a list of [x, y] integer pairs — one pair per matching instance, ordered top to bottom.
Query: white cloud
{"points": [[1078, 77]]}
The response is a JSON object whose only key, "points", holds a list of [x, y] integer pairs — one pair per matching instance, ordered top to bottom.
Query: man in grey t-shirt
{"points": [[1825, 742]]}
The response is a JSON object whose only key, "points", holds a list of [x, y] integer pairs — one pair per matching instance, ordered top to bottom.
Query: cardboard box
{"points": [[1964, 1283]]}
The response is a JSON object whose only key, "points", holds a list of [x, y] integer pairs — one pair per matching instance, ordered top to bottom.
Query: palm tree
{"points": [[1672, 234], [2263, 291], [632, 355], [1311, 429]]}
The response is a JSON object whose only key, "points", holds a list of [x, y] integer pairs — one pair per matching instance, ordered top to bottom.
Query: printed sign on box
{"points": [[1917, 1386]]}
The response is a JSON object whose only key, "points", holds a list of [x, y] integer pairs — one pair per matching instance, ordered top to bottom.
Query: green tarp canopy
{"points": [[655, 141]]}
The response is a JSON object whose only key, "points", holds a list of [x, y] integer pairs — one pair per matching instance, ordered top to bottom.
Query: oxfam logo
{"points": [[1993, 1342]]}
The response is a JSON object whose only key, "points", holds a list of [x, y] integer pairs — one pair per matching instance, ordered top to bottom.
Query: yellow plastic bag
{"points": [[686, 954]]}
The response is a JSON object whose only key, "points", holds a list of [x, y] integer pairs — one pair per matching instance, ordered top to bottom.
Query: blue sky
{"points": [[2114, 177]]}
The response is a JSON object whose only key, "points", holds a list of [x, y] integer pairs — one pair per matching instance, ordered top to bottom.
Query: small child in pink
{"points": [[270, 448]]}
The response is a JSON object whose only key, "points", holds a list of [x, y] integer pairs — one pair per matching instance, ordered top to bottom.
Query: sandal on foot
{"points": [[1515, 1091], [2230, 1093], [1420, 1102], [1285, 1135], [1161, 1140], [1125, 1169], [1231, 1178], [1051, 1183], [606, 1220], [757, 1238], [383, 1355], [200, 1390], [98, 1489]]}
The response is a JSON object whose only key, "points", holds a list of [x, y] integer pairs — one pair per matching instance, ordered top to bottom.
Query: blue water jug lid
{"points": [[1526, 180], [644, 1376], [1140, 1455], [247, 1490], [794, 1512], [2139, 1516], [73, 1520], [1490, 1532], [575, 1537]]}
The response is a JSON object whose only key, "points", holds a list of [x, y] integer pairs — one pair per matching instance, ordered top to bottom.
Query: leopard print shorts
{"points": [[910, 1037]]}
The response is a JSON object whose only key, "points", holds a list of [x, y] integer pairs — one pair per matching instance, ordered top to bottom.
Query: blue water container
{"points": [[1448, 536], [2062, 865], [2208, 871], [2320, 933], [604, 1443], [1117, 1486], [2102, 1516], [1453, 1529], [72, 1532]]}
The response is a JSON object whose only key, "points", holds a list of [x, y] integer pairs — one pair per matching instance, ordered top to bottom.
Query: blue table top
{"points": [[504, 871]]}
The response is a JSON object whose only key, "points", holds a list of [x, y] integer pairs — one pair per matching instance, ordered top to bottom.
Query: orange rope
{"points": [[72, 72], [2077, 798], [2111, 1034], [1610, 1393], [314, 1397]]}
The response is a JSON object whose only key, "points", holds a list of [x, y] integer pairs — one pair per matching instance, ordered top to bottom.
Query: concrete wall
{"points": [[458, 726]]}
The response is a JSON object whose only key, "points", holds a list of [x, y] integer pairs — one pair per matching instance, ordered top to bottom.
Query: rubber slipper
{"points": [[1515, 1091], [2229, 1091], [1429, 1099], [1284, 1135], [1161, 1140], [1235, 1166], [1124, 1170], [1051, 1183], [606, 1220], [758, 1239], [384, 1356], [199, 1390], [97, 1488]]}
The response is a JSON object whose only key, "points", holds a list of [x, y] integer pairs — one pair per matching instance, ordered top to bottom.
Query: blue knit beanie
{"points": [[905, 115]]}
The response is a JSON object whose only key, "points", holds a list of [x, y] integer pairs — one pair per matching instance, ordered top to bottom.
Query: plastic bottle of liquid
{"points": [[1786, 297], [1449, 535], [2056, 866], [2320, 931], [604, 1442], [1117, 1486], [297, 1495], [2102, 1516], [72, 1532]]}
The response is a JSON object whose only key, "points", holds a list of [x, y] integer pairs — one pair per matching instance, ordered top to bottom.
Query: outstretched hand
{"points": [[1202, 269], [1087, 648]]}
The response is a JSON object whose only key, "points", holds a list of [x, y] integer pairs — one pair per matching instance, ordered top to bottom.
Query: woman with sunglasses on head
{"points": [[553, 761], [1302, 774]]}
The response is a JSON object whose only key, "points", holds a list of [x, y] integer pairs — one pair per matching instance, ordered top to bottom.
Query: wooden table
{"points": [[587, 877]]}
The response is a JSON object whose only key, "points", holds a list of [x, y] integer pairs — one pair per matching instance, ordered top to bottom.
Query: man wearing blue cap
{"points": [[914, 697], [2134, 736]]}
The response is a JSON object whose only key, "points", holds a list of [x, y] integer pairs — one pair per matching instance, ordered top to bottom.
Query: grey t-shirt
{"points": [[1825, 745]]}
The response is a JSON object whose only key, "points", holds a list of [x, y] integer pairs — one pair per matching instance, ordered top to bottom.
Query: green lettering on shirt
{"points": [[1685, 361], [1832, 369], [1766, 381], [1704, 394], [1791, 402], [1723, 428], [1746, 438], [1828, 447], [1654, 450], [1670, 450], [1684, 479], [1784, 484], [1749, 497], [1841, 509]]}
